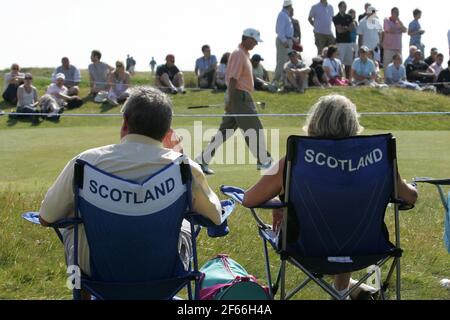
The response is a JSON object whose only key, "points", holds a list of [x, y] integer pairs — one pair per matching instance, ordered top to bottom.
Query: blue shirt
{"points": [[284, 28], [415, 40], [202, 64], [364, 69], [394, 75]]}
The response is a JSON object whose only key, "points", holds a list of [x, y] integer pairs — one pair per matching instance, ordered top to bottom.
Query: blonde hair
{"points": [[333, 116]]}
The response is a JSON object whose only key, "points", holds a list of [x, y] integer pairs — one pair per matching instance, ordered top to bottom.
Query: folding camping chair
{"points": [[439, 184], [336, 194], [133, 229]]}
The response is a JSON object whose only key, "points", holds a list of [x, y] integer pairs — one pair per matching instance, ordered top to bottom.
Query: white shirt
{"points": [[371, 37], [334, 66], [53, 90]]}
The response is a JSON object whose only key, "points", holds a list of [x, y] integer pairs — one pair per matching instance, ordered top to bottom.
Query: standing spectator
{"points": [[362, 16], [321, 18], [344, 26], [369, 31], [415, 31], [354, 32], [448, 38], [392, 39], [297, 40], [284, 41], [412, 53], [432, 57], [128, 63], [132, 65], [152, 65], [437, 66], [333, 68], [205, 69], [363, 69], [222, 71], [418, 71], [98, 73], [295, 73], [72, 74], [395, 74], [260, 75], [169, 78], [444, 78], [12, 81], [119, 81], [27, 98], [238, 100]]}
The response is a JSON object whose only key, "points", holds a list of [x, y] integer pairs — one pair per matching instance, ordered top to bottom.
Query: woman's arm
{"points": [[406, 192]]}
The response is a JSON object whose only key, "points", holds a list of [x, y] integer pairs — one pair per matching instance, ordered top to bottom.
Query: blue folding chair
{"points": [[439, 184], [336, 195], [132, 231]]}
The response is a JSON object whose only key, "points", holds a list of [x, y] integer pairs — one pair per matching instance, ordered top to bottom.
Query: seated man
{"points": [[412, 51], [432, 57], [438, 64], [205, 69], [363, 69], [419, 71], [98, 73], [295, 73], [72, 74], [260, 75], [395, 75], [168, 77], [318, 77], [444, 78], [57, 92], [147, 117]]}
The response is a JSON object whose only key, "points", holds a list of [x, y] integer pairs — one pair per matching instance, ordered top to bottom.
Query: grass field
{"points": [[31, 157]]}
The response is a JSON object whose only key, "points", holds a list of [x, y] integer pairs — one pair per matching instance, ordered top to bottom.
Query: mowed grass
{"points": [[31, 157]]}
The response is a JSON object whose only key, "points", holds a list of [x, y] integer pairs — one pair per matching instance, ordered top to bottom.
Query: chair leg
{"points": [[267, 263], [398, 279], [283, 280]]}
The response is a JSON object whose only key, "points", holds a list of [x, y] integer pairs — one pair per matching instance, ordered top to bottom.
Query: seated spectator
{"points": [[412, 52], [371, 56], [432, 57], [437, 64], [334, 68], [205, 69], [363, 69], [419, 71], [221, 72], [98, 73], [295, 73], [72, 74], [260, 75], [395, 75], [168, 77], [317, 77], [444, 78], [12, 81], [119, 82], [56, 97], [27, 98], [147, 118], [321, 123]]}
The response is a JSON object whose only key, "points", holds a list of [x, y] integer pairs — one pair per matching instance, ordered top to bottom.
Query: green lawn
{"points": [[31, 258]]}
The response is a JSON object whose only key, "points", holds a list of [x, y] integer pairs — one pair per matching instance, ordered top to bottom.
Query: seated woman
{"points": [[333, 68], [221, 71], [12, 81], [119, 82], [27, 98], [320, 123]]}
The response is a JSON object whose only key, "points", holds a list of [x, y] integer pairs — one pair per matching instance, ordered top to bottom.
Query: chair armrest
{"points": [[442, 182], [238, 195], [402, 205], [33, 217], [216, 231]]}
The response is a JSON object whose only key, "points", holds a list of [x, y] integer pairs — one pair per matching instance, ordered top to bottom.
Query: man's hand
{"points": [[286, 44], [173, 141]]}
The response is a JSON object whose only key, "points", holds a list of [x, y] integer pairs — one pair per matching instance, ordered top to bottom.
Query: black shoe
{"points": [[206, 170]]}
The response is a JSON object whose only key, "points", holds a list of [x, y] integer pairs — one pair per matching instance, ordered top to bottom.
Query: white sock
{"points": [[341, 292]]}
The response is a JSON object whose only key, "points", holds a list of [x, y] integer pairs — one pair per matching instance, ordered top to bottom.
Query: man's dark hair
{"points": [[341, 3], [394, 9], [416, 12], [205, 47], [331, 50], [96, 53], [396, 56], [148, 112]]}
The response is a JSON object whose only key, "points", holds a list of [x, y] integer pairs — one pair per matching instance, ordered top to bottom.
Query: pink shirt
{"points": [[392, 35], [240, 68]]}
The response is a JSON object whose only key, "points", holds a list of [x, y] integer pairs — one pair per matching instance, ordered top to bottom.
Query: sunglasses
{"points": [[28, 78]]}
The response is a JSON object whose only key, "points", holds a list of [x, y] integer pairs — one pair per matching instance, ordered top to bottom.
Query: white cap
{"points": [[287, 3], [371, 10], [252, 33], [60, 76]]}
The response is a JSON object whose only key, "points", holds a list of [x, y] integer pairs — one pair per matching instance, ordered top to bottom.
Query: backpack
{"points": [[225, 279]]}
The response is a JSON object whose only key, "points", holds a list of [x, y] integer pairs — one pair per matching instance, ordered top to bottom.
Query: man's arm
{"points": [[311, 17], [231, 94]]}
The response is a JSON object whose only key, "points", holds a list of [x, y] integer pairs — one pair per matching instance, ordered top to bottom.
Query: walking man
{"points": [[238, 100]]}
